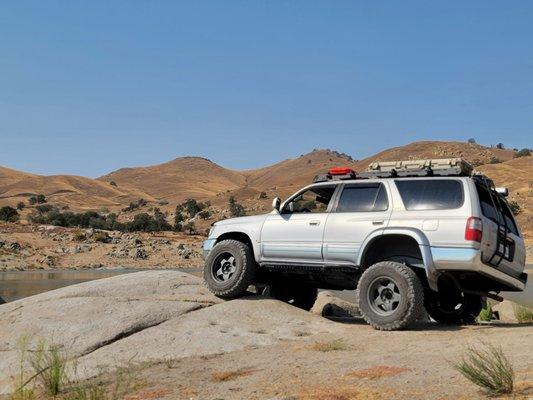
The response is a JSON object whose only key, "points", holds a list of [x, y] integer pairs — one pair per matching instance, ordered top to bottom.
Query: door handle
{"points": [[378, 222], [314, 223]]}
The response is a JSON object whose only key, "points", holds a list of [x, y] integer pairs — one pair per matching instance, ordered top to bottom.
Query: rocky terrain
{"points": [[28, 247], [179, 342]]}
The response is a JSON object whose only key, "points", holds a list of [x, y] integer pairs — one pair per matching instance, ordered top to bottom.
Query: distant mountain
{"points": [[199, 178]]}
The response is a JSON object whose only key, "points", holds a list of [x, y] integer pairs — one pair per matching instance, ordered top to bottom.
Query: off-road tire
{"points": [[243, 276], [294, 293], [409, 307], [466, 314]]}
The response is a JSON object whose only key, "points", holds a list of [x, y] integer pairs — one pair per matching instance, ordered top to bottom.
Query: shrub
{"points": [[523, 153], [494, 160], [113, 183], [263, 195], [37, 199], [21, 205], [135, 205], [193, 207], [514, 207], [44, 208], [235, 209], [9, 214], [205, 214], [178, 219], [189, 227], [79, 236], [101, 237], [486, 314], [524, 315], [326, 347], [488, 368]]}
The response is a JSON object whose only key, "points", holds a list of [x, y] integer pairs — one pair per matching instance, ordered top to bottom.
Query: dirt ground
{"points": [[357, 362]]}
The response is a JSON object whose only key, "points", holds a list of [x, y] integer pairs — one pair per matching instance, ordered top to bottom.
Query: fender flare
{"points": [[423, 243]]}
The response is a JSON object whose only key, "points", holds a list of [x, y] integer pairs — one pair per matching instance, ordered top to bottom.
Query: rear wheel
{"points": [[229, 269], [297, 294], [390, 296], [453, 308]]}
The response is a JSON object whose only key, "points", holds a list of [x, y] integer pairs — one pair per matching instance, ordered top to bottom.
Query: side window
{"points": [[431, 194], [363, 197], [313, 200]]}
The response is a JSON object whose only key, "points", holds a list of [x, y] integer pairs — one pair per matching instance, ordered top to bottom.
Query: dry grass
{"points": [[524, 315], [333, 345], [488, 368], [380, 371], [224, 376], [344, 392]]}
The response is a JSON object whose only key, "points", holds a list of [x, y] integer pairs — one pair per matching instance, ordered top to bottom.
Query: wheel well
{"points": [[241, 237], [400, 248]]}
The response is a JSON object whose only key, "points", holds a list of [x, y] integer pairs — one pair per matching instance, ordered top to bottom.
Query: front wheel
{"points": [[229, 269], [390, 296], [453, 308]]}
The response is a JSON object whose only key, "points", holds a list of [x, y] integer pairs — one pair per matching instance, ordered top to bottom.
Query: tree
{"points": [[472, 141], [500, 146], [523, 153], [38, 199], [21, 205], [235, 209], [8, 214], [205, 214]]}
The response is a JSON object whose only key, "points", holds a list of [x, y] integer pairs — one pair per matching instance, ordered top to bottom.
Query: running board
{"points": [[309, 267]]}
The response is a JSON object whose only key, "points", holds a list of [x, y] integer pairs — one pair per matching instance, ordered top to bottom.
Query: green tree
{"points": [[523, 153], [38, 199], [21, 205], [235, 209], [8, 214]]}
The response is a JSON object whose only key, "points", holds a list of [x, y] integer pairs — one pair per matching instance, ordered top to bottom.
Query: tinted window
{"points": [[431, 194], [360, 198], [313, 200], [488, 210]]}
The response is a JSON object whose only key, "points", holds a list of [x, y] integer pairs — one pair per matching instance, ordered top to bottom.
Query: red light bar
{"points": [[341, 171]]}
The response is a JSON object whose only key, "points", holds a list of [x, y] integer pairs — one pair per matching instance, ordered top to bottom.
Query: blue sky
{"points": [[90, 86]]}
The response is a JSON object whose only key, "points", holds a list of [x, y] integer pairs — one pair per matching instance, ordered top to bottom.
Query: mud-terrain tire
{"points": [[229, 269], [294, 293], [390, 296], [461, 311]]}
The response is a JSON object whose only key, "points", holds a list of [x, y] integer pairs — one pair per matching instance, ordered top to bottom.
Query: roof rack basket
{"points": [[428, 167]]}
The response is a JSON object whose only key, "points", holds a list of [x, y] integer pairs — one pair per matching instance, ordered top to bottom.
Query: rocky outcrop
{"points": [[144, 316]]}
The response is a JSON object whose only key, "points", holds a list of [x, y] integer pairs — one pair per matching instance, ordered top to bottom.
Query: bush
{"points": [[523, 153], [495, 160], [113, 183], [263, 195], [38, 199], [21, 205], [135, 205], [192, 207], [514, 207], [44, 208], [235, 209], [8, 214], [205, 214], [189, 228], [486, 314], [524, 315], [488, 368]]}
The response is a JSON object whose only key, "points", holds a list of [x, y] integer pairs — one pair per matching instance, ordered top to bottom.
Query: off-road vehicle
{"points": [[406, 235]]}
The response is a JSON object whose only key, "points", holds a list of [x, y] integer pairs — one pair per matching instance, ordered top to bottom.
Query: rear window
{"points": [[431, 194], [363, 197], [489, 211]]}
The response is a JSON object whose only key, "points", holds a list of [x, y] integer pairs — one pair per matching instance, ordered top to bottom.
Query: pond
{"points": [[15, 285]]}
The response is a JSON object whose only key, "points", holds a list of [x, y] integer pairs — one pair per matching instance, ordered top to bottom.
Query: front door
{"points": [[295, 233]]}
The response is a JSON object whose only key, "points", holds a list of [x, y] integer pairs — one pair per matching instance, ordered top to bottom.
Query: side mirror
{"points": [[503, 191], [276, 203]]}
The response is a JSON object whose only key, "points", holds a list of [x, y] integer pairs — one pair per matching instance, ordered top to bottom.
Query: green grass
{"points": [[486, 314], [523, 314], [49, 364], [488, 368]]}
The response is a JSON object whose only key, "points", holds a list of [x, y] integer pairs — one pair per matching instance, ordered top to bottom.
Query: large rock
{"points": [[144, 316]]}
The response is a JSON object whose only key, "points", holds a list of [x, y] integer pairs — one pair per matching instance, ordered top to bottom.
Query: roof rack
{"points": [[405, 168]]}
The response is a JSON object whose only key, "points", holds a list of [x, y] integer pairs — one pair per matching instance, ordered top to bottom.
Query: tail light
{"points": [[474, 229]]}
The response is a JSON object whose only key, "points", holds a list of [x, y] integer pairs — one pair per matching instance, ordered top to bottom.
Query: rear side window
{"points": [[431, 194], [363, 197], [488, 210]]}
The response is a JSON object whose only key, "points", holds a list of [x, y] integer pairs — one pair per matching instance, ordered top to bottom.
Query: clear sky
{"points": [[90, 86]]}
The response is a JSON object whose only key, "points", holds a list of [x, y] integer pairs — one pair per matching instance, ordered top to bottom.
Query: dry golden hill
{"points": [[179, 179], [77, 192]]}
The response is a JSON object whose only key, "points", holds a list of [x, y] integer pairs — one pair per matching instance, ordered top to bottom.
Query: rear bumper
{"points": [[469, 260]]}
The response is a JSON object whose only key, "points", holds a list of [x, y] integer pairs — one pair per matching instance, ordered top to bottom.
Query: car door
{"points": [[361, 210], [295, 233]]}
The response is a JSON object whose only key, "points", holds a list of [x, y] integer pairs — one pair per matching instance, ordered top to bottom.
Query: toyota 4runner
{"points": [[405, 235]]}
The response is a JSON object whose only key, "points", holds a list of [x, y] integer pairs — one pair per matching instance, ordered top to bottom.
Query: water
{"points": [[18, 284]]}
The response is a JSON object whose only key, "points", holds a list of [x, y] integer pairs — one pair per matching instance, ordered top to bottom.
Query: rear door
{"points": [[362, 208], [514, 250]]}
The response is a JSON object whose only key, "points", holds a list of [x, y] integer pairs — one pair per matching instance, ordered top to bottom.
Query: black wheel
{"points": [[229, 269], [297, 294], [390, 296], [453, 307]]}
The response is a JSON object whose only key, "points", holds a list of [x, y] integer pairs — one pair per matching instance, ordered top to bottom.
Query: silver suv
{"points": [[406, 235]]}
